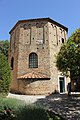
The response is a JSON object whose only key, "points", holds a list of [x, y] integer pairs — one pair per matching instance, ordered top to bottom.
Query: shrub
{"points": [[5, 75], [8, 108], [32, 112], [7, 114]]}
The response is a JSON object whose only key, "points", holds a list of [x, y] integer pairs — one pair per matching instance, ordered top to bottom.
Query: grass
{"points": [[13, 103]]}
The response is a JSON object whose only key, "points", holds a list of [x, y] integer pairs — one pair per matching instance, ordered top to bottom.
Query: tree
{"points": [[4, 46], [68, 58], [5, 74]]}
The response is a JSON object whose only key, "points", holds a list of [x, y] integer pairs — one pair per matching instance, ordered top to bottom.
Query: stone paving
{"points": [[66, 106]]}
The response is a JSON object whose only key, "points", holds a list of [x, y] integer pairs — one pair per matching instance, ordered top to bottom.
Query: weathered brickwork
{"points": [[43, 37]]}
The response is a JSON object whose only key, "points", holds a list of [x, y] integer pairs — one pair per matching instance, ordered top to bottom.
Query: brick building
{"points": [[33, 46]]}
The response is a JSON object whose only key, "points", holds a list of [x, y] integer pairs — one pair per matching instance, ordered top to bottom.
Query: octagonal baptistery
{"points": [[33, 46]]}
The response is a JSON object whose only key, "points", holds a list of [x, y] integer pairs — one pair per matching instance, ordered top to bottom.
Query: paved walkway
{"points": [[27, 98], [66, 106]]}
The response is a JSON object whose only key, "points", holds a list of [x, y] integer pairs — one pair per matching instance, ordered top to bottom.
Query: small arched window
{"points": [[33, 60], [12, 63]]}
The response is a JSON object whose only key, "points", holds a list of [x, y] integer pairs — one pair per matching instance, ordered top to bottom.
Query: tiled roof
{"points": [[33, 75]]}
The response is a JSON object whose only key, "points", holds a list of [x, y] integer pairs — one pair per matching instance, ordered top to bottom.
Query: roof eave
{"points": [[47, 19], [33, 78]]}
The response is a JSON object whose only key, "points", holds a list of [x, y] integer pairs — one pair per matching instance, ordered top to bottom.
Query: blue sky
{"points": [[66, 12]]}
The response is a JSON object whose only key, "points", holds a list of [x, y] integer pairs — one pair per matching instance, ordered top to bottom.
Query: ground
{"points": [[67, 106]]}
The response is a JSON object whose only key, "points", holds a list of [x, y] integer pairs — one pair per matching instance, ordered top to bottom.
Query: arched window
{"points": [[33, 60], [12, 63]]}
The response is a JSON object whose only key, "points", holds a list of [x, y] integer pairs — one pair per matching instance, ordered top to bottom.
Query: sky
{"points": [[66, 12]]}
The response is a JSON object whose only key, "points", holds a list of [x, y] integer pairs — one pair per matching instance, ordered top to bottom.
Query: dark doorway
{"points": [[62, 84]]}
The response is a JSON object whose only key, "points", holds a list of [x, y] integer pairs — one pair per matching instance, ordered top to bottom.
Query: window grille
{"points": [[33, 60]]}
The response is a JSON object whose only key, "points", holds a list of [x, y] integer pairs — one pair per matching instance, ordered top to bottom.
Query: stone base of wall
{"points": [[34, 87], [14, 91]]}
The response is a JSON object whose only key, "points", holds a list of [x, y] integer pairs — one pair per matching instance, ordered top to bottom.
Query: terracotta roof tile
{"points": [[33, 75]]}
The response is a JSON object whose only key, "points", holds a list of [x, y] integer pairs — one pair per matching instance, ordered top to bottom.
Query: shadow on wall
{"points": [[61, 104]]}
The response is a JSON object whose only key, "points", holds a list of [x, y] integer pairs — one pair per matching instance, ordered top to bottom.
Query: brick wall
{"points": [[43, 38]]}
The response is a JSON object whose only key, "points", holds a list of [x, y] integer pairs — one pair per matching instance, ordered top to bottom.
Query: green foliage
{"points": [[4, 46], [68, 58], [5, 74], [10, 102], [8, 108], [13, 109], [32, 112], [35, 112], [7, 114]]}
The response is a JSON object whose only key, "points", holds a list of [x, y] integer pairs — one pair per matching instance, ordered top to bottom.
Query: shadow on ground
{"points": [[66, 106]]}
